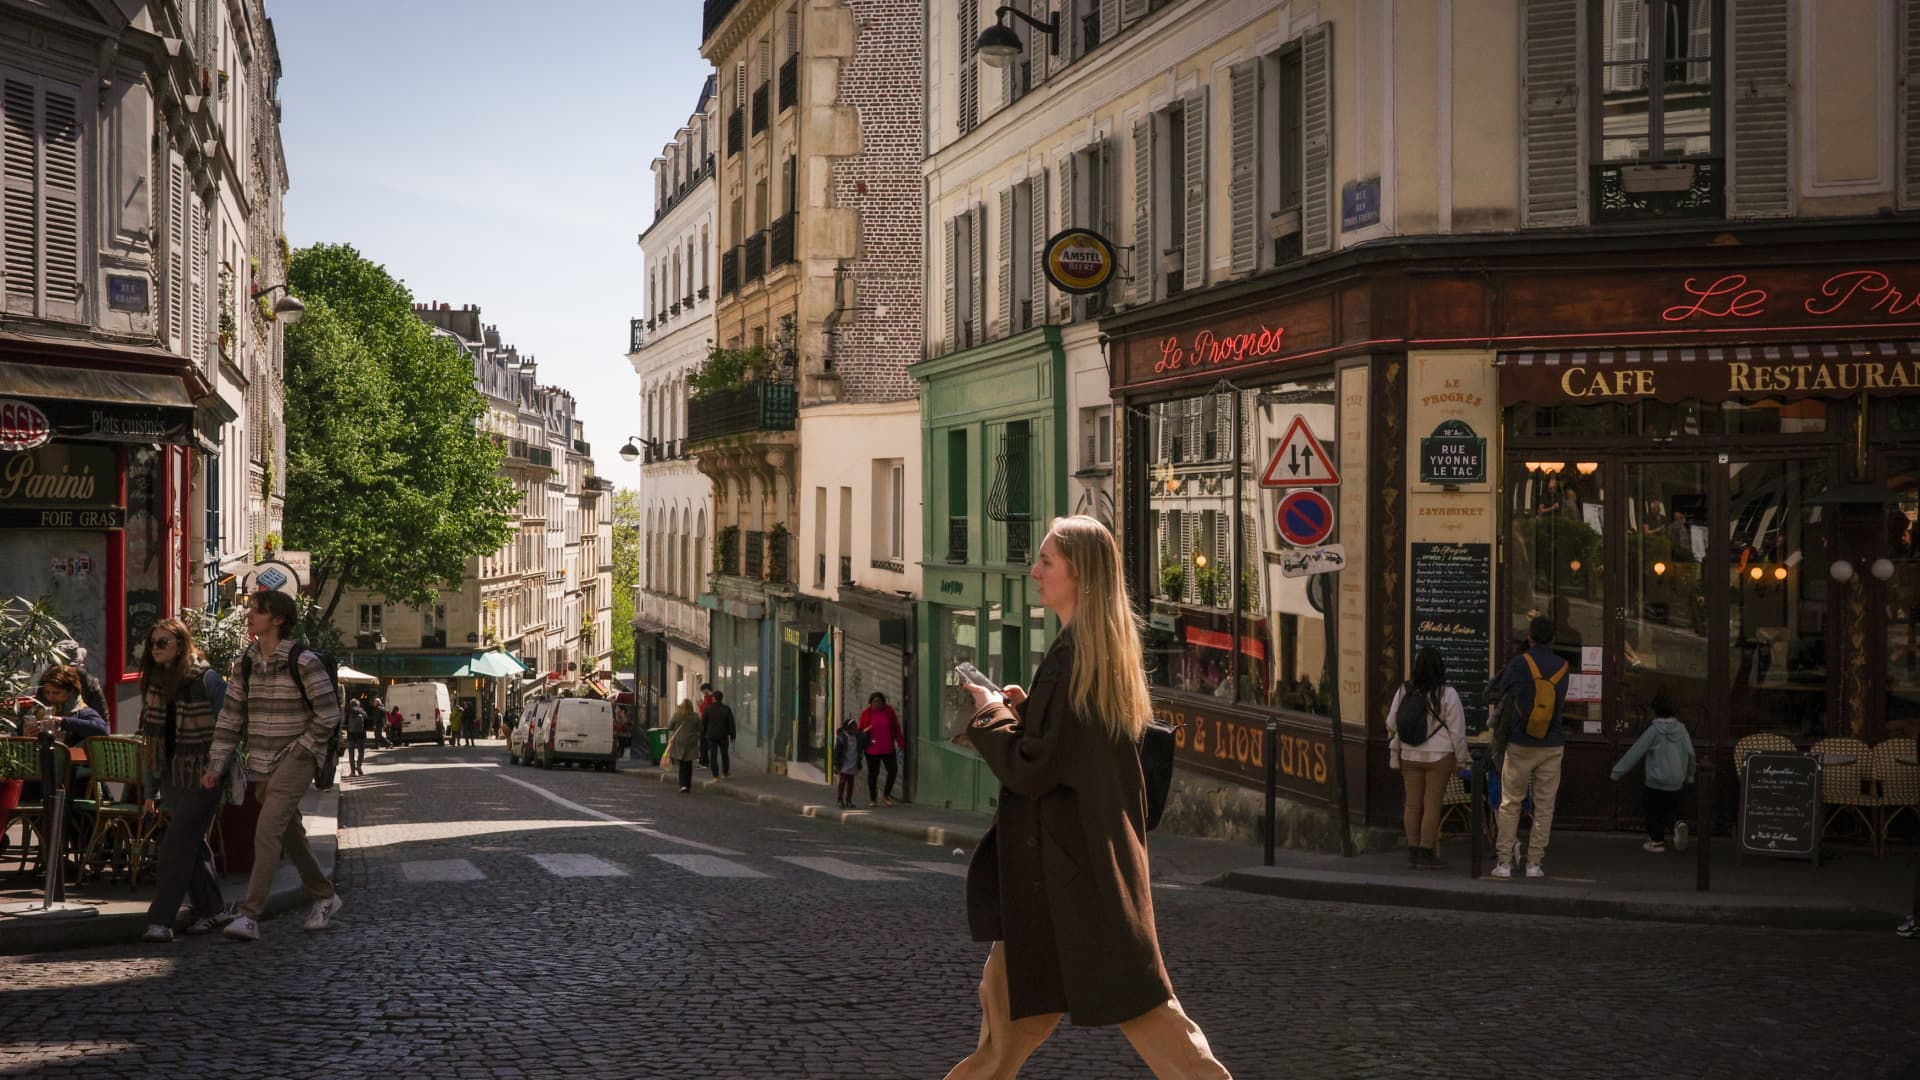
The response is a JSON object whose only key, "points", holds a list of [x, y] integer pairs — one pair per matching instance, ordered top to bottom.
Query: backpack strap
{"points": [[1531, 666]]}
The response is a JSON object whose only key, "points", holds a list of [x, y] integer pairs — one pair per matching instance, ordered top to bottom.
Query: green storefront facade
{"points": [[994, 429]]}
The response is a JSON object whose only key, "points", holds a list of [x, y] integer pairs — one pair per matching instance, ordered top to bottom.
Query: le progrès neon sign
{"points": [[1847, 294], [1206, 349]]}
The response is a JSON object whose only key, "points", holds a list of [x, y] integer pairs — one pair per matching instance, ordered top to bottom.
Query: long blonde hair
{"points": [[1109, 678]]}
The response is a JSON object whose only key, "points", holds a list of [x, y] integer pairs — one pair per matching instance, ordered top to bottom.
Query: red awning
{"points": [[1214, 639]]}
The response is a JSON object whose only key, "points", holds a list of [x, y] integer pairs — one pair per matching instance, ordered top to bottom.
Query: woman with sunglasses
{"points": [[180, 699]]}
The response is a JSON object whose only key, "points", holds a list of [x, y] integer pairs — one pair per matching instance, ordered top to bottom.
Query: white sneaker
{"points": [[1680, 837], [1654, 846], [1502, 870], [1534, 870], [322, 914], [213, 922], [242, 929], [158, 934]]}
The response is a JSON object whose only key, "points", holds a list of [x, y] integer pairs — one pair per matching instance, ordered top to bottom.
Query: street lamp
{"points": [[999, 43], [288, 308], [630, 453]]}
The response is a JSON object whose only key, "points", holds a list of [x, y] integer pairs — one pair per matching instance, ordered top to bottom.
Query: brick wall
{"points": [[883, 183]]}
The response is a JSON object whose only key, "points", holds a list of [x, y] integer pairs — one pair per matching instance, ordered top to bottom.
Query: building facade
{"points": [[142, 213], [671, 630]]}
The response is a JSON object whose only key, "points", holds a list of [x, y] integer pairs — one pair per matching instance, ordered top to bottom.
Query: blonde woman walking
{"points": [[1069, 835]]}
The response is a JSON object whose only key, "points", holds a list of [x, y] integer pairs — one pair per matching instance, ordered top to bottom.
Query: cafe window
{"points": [[1663, 420], [146, 551], [1556, 567]]}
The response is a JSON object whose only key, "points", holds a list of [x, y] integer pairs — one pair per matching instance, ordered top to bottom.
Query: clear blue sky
{"points": [[495, 153]]}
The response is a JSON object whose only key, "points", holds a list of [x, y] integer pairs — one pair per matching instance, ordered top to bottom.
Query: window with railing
{"points": [[789, 82], [760, 108], [1661, 122], [736, 134], [781, 236], [756, 258], [730, 271], [636, 334], [756, 554]]}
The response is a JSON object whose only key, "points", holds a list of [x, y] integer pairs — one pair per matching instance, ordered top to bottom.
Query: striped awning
{"points": [[1711, 373]]}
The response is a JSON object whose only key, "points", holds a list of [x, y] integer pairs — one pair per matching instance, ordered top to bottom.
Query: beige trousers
{"points": [[1540, 767], [1426, 792], [279, 832], [1172, 1045]]}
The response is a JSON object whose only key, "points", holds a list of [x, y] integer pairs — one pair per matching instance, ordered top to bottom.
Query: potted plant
{"points": [[1173, 580], [1206, 580], [219, 635], [31, 639]]}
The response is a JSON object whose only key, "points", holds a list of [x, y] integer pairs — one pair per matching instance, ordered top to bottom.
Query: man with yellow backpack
{"points": [[1528, 735]]}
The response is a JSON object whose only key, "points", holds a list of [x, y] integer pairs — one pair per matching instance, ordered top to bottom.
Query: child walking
{"points": [[1668, 751], [846, 760]]}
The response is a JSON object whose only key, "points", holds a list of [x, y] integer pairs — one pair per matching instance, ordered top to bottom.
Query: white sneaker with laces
{"points": [[1680, 836], [1654, 846], [1502, 870], [1535, 870], [322, 914], [215, 921], [242, 929], [158, 934]]}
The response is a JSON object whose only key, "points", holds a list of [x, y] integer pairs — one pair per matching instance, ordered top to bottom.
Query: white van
{"points": [[424, 709], [576, 730]]}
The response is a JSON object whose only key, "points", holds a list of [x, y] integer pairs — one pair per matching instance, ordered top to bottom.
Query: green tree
{"points": [[390, 482], [626, 573]]}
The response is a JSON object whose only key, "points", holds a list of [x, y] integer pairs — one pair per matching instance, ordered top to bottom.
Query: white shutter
{"points": [[1131, 11], [1109, 20], [793, 31], [1909, 36], [1039, 46], [766, 62], [969, 65], [740, 84], [1550, 122], [1316, 136], [20, 160], [1759, 184], [1244, 188], [60, 201], [1069, 216], [1037, 233], [176, 254], [1193, 257], [1146, 260], [950, 262], [197, 278], [978, 316], [1003, 321], [1163, 414], [1190, 448], [1223, 558]]}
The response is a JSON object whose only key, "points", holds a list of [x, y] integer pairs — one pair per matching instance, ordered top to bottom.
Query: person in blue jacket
{"points": [[1531, 751], [1668, 751]]}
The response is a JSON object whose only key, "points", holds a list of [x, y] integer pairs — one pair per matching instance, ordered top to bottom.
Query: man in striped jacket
{"points": [[286, 732]]}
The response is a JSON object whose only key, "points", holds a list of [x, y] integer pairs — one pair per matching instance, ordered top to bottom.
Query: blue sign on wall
{"points": [[1359, 204], [126, 293]]}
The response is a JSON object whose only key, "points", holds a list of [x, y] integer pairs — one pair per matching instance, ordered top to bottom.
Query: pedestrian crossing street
{"points": [[579, 865]]}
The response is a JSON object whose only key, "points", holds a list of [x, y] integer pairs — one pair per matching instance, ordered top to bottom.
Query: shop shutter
{"points": [[1131, 11], [1109, 20], [1910, 108], [1550, 132], [1316, 133], [1759, 184], [1243, 187], [1037, 233], [176, 255], [1193, 256], [1146, 261], [949, 262], [977, 318], [1003, 319], [871, 666]]}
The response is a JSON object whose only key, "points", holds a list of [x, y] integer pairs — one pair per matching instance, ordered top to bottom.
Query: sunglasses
{"points": [[163, 642]]}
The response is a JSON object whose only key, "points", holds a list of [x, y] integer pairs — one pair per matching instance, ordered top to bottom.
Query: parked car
{"points": [[424, 708], [575, 731], [517, 741]]}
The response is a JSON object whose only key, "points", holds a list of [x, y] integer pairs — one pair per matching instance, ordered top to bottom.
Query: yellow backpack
{"points": [[1540, 717]]}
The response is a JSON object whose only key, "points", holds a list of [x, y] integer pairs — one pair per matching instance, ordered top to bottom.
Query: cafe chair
{"points": [[1765, 742], [21, 757], [113, 759], [1896, 785], [1843, 787]]}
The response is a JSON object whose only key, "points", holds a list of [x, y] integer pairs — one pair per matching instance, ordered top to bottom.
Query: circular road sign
{"points": [[1078, 261], [1304, 518]]}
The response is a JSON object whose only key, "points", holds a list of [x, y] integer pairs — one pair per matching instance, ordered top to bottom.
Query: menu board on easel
{"points": [[1452, 604], [1780, 806]]}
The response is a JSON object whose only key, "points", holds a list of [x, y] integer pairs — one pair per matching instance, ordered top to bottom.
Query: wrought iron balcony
{"points": [[790, 82], [760, 108], [736, 131], [1655, 191], [782, 240], [756, 258], [730, 271], [687, 302], [636, 335], [761, 406], [957, 540], [779, 544], [756, 554], [894, 566], [846, 569]]}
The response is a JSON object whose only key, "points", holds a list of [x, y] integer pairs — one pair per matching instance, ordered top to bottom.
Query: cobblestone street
{"points": [[508, 922]]}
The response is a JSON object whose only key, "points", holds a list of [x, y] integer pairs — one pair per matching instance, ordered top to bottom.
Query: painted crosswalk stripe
{"points": [[561, 864], [711, 866], [839, 868], [947, 868], [421, 870]]}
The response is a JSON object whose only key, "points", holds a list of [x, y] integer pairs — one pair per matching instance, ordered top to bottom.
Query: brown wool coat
{"points": [[1061, 877]]}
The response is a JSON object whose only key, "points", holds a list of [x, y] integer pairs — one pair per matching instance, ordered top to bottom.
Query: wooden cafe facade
{"points": [[1698, 453]]}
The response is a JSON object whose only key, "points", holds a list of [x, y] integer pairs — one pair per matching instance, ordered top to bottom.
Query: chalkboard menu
{"points": [[1452, 613], [1780, 806]]}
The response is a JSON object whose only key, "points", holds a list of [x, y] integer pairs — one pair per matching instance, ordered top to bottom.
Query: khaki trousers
{"points": [[1540, 767], [1426, 787], [279, 832], [1172, 1045]]}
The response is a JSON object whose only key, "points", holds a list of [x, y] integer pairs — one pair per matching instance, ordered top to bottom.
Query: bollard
{"points": [[1273, 784], [1703, 794], [1476, 805]]}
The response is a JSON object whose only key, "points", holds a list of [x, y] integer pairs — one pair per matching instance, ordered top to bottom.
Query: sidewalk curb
{"points": [[320, 810], [936, 835], [1526, 898]]}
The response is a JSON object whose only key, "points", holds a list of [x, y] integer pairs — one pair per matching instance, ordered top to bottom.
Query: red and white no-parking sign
{"points": [[1304, 518]]}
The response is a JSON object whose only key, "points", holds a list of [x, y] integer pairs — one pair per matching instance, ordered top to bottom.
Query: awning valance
{"points": [[1711, 373], [100, 405]]}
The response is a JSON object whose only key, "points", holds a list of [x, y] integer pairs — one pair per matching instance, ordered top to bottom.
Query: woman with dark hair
{"points": [[180, 699], [1423, 709], [68, 715], [882, 738], [1075, 933]]}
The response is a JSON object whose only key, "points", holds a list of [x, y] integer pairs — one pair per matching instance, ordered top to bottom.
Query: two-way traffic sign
{"points": [[1299, 461]]}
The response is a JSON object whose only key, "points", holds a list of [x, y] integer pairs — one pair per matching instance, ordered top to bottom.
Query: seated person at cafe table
{"points": [[69, 717]]}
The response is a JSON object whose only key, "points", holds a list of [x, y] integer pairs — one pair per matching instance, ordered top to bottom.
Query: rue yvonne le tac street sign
{"points": [[1453, 454]]}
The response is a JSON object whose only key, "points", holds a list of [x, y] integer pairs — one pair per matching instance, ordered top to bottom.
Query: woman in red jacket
{"points": [[880, 734]]}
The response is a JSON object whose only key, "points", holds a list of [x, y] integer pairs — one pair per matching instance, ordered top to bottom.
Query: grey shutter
{"points": [[1131, 11], [1109, 20], [1909, 36], [1039, 45], [969, 66], [740, 87], [1550, 124], [1316, 135], [20, 158], [1064, 180], [1759, 184], [1243, 187], [1037, 233], [176, 255], [1193, 257], [1146, 260], [61, 262], [197, 279], [951, 281], [977, 318], [1003, 321], [1190, 448], [1223, 558]]}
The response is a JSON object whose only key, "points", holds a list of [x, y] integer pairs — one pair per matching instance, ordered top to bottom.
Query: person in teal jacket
{"points": [[1668, 751]]}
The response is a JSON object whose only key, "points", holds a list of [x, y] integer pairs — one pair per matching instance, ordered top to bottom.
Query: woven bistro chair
{"points": [[1765, 742], [21, 753], [113, 759], [1896, 785], [1842, 788]]}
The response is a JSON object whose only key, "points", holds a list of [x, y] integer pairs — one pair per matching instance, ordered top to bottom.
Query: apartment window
{"points": [[1658, 64], [42, 154], [1173, 166], [1087, 193], [963, 232], [1018, 232], [1096, 434], [957, 496], [889, 512], [819, 538], [370, 618]]}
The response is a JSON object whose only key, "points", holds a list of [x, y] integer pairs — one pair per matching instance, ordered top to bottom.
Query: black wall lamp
{"points": [[1000, 43], [288, 308], [630, 453]]}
